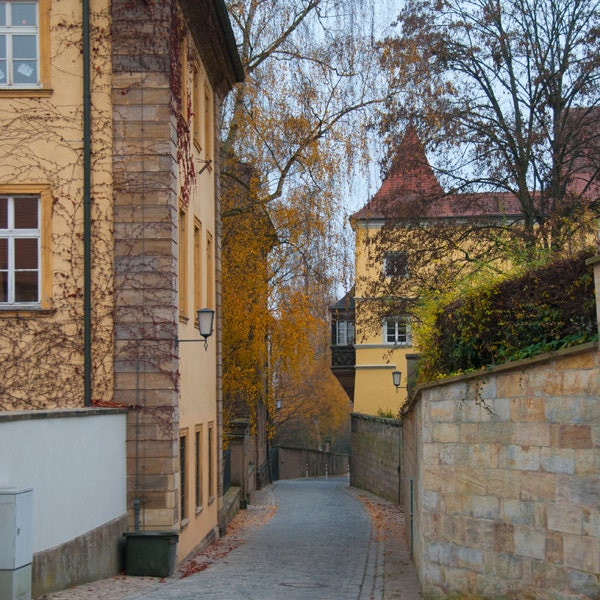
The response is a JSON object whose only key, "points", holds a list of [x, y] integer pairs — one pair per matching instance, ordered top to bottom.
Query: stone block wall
{"points": [[145, 254], [375, 455], [506, 471]]}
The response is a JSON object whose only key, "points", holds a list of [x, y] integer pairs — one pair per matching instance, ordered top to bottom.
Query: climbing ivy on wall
{"points": [[41, 350]]}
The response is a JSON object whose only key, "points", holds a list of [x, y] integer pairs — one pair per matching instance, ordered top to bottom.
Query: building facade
{"points": [[109, 233], [404, 234], [413, 236]]}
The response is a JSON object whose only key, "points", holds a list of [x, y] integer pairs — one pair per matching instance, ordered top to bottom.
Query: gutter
{"points": [[230, 41], [87, 262]]}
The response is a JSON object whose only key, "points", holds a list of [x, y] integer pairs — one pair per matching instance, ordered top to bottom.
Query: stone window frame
{"points": [[184, 66], [197, 105], [209, 123], [182, 259], [210, 270], [198, 271], [212, 462], [199, 471], [183, 477]]}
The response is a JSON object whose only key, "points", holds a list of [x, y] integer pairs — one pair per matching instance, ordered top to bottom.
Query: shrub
{"points": [[543, 309]]}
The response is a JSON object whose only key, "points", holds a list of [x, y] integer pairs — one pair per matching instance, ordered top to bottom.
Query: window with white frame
{"points": [[19, 44], [20, 250], [395, 264], [396, 331], [344, 333]]}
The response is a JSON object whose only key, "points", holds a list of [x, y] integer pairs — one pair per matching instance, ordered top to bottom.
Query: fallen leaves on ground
{"points": [[387, 518], [238, 531]]}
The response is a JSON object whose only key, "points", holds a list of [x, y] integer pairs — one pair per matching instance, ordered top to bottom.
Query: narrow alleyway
{"points": [[321, 544], [318, 545]]}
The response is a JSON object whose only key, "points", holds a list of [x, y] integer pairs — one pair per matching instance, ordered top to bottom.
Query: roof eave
{"points": [[211, 29]]}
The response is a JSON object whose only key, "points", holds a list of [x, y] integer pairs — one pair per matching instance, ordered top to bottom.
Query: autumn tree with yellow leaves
{"points": [[294, 133]]}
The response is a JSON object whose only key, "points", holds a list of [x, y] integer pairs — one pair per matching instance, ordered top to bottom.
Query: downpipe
{"points": [[87, 226]]}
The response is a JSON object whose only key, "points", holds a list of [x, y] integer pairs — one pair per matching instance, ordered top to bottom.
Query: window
{"points": [[24, 45], [183, 65], [196, 110], [208, 123], [20, 251], [25, 256], [183, 264], [395, 264], [197, 265], [210, 270], [397, 331], [344, 333], [198, 473], [212, 491], [183, 493]]}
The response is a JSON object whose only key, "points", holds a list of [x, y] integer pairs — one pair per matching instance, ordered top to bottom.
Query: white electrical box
{"points": [[16, 528]]}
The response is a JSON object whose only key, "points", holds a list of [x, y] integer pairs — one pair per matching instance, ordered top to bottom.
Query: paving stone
{"points": [[325, 540]]}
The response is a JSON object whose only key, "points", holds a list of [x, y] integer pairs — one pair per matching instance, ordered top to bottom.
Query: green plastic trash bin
{"points": [[150, 553]]}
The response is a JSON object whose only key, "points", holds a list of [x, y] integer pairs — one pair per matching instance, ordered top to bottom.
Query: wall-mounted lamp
{"points": [[206, 317], [396, 379]]}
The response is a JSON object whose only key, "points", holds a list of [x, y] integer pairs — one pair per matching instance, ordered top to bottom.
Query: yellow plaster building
{"points": [[109, 233], [410, 235], [391, 242]]}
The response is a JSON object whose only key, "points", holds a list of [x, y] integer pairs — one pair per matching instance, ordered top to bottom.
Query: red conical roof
{"points": [[410, 178], [411, 190]]}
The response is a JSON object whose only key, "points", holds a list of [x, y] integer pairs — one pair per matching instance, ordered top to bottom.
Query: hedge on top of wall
{"points": [[544, 309]]}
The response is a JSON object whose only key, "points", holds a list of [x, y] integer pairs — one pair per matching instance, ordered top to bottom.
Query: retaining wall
{"points": [[375, 455], [506, 471]]}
